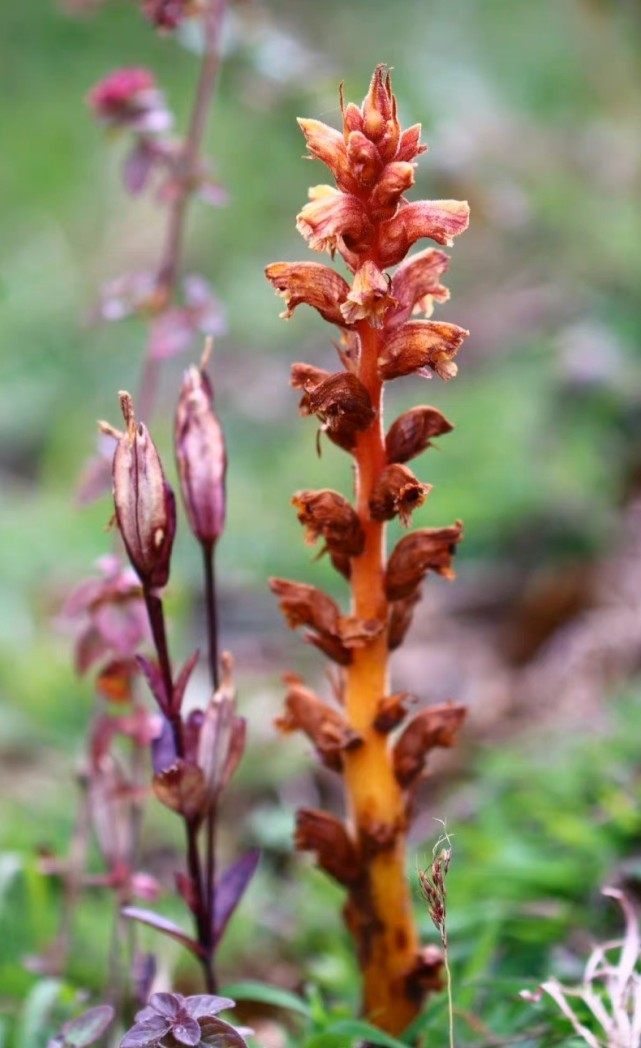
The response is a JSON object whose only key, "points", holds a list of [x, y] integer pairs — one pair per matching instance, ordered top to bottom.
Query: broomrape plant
{"points": [[369, 223]]}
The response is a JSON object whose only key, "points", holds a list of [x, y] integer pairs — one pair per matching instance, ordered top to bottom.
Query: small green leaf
{"points": [[266, 994], [355, 1028]]}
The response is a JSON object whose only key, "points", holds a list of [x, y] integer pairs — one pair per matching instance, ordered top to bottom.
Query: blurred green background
{"points": [[531, 112]]}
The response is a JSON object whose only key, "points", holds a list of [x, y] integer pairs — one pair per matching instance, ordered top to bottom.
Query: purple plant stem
{"points": [[169, 267], [211, 606], [201, 911]]}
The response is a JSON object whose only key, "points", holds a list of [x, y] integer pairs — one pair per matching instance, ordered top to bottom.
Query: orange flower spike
{"points": [[368, 221]]}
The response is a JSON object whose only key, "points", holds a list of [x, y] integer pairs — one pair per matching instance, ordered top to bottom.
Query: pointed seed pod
{"points": [[413, 431], [200, 453], [397, 492], [144, 502], [328, 514], [429, 549], [432, 727], [335, 850]]}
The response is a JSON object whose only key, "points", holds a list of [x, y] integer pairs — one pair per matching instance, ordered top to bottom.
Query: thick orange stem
{"points": [[382, 924]]}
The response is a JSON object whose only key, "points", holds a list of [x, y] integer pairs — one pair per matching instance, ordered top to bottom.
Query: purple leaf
{"points": [[183, 680], [155, 681], [163, 749], [230, 889], [161, 924], [167, 1004], [207, 1004], [88, 1027], [187, 1032], [146, 1034], [219, 1034]]}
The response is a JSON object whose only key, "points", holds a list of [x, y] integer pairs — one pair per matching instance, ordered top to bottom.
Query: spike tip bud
{"points": [[200, 453]]}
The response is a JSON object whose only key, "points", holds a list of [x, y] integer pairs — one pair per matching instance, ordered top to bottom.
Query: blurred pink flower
{"points": [[130, 98], [111, 614]]}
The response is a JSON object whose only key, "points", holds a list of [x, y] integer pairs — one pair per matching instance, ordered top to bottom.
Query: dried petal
{"points": [[327, 144], [440, 220], [334, 221], [312, 283], [416, 286], [369, 297], [422, 344], [306, 376], [343, 404], [412, 433], [200, 453], [397, 492], [145, 505], [328, 514], [429, 549], [304, 605], [400, 619], [391, 710], [432, 727], [326, 728], [222, 734], [183, 789], [326, 835]]}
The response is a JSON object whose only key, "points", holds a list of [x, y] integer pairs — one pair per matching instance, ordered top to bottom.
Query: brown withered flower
{"points": [[312, 283], [416, 286], [369, 297], [420, 345], [341, 402], [413, 432], [200, 454], [397, 493], [144, 502], [329, 515], [429, 549], [304, 605], [400, 618], [324, 726], [432, 727], [335, 850]]}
